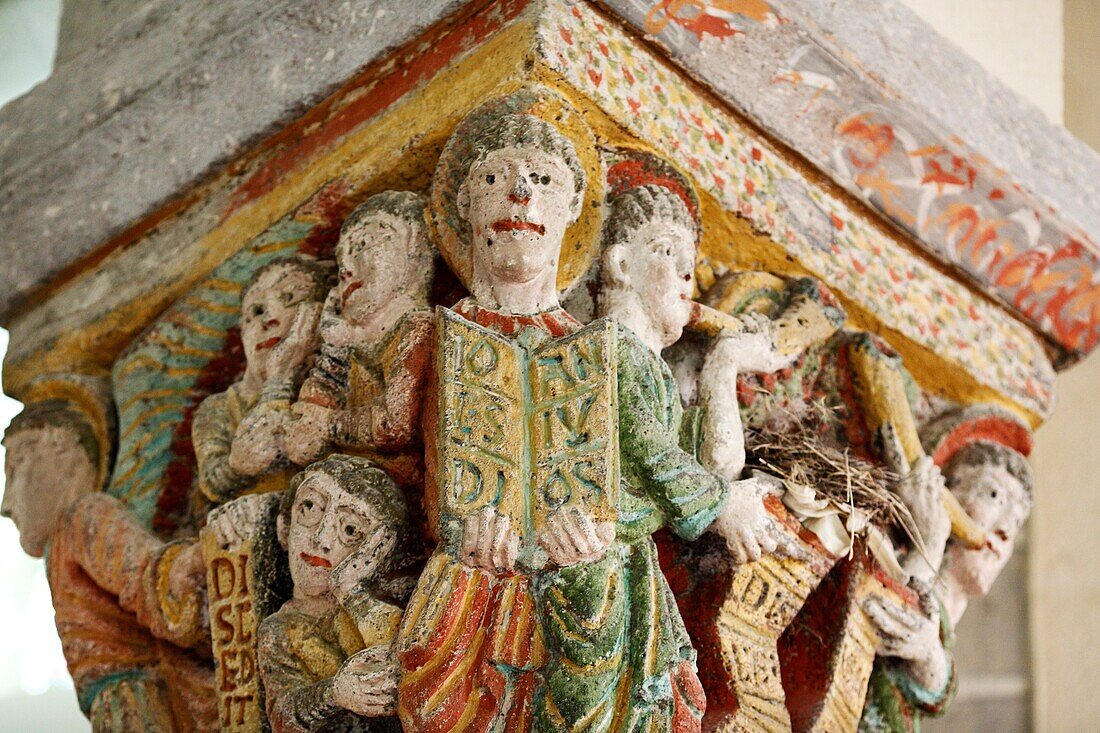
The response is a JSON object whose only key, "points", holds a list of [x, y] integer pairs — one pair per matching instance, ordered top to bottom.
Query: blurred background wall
{"points": [[1027, 654]]}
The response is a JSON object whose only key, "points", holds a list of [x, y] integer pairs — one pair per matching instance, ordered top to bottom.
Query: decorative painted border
{"points": [[794, 80], [746, 177]]}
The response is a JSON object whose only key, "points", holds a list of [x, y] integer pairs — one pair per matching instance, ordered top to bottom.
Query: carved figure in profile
{"points": [[372, 321], [240, 435], [983, 453], [129, 608], [326, 657]]}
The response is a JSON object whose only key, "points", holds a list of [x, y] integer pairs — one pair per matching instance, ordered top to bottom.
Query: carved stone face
{"points": [[520, 202], [373, 257], [659, 264], [269, 307], [46, 470], [996, 500], [326, 525]]}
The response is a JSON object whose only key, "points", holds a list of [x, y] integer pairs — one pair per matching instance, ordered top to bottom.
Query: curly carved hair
{"points": [[990, 453]]}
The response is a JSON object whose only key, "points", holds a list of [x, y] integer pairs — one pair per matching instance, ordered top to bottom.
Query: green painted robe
{"points": [[623, 661]]}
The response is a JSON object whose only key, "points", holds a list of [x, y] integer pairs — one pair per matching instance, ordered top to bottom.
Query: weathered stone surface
{"points": [[902, 119], [142, 124]]}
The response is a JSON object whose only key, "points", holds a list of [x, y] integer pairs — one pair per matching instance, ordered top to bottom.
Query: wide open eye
{"points": [[490, 179], [544, 180], [286, 298], [257, 311], [309, 512]]}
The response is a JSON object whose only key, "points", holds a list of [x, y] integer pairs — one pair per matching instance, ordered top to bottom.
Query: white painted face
{"points": [[521, 201], [373, 257], [659, 265], [269, 307], [46, 469], [996, 501], [326, 525]]}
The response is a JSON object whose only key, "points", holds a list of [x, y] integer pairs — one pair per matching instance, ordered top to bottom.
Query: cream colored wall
{"points": [[1018, 40], [1065, 579]]}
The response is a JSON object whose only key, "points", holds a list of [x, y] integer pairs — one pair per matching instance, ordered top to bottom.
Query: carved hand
{"points": [[754, 348], [289, 355], [309, 433], [258, 443], [922, 491], [236, 522], [747, 527], [571, 537], [489, 542], [364, 563], [188, 572], [912, 635], [367, 683]]}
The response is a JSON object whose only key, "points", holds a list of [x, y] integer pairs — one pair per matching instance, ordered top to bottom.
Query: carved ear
{"points": [[614, 265], [281, 529]]}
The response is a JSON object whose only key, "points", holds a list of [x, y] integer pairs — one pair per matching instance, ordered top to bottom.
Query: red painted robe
{"points": [[464, 627], [125, 636]]}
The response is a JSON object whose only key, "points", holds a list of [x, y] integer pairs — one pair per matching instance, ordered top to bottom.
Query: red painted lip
{"points": [[512, 225], [352, 288], [268, 343], [317, 562]]}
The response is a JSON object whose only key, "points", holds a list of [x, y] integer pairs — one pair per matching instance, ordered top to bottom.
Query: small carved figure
{"points": [[373, 322], [240, 435], [982, 451], [128, 607], [326, 657]]}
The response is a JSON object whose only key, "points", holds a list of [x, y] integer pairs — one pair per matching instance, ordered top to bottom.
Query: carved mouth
{"points": [[512, 225], [352, 288], [268, 343], [317, 562]]}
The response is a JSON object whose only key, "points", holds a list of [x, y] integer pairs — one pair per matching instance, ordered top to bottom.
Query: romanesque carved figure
{"points": [[647, 283], [372, 323], [240, 435], [982, 451], [128, 606], [473, 644], [326, 657]]}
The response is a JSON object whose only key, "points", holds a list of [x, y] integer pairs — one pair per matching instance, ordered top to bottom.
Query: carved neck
{"points": [[535, 296], [627, 309], [374, 323], [955, 599], [312, 605]]}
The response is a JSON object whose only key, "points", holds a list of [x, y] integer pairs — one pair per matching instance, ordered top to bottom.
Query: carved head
{"points": [[524, 187], [384, 251], [649, 258], [271, 299], [53, 457], [994, 485], [330, 510]]}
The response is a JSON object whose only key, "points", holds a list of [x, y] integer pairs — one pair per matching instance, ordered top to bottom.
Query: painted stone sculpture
{"points": [[373, 323], [240, 435], [240, 438], [982, 451], [128, 607], [326, 656]]}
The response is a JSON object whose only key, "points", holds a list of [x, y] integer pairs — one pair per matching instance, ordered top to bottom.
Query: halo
{"points": [[633, 166], [452, 234], [89, 395], [949, 433]]}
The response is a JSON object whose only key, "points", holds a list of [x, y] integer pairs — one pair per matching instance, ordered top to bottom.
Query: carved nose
{"points": [[521, 192], [270, 323]]}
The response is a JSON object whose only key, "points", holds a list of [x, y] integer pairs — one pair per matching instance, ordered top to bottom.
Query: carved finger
{"points": [[486, 524], [581, 531], [469, 538], [550, 541], [500, 543], [752, 548], [511, 551]]}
